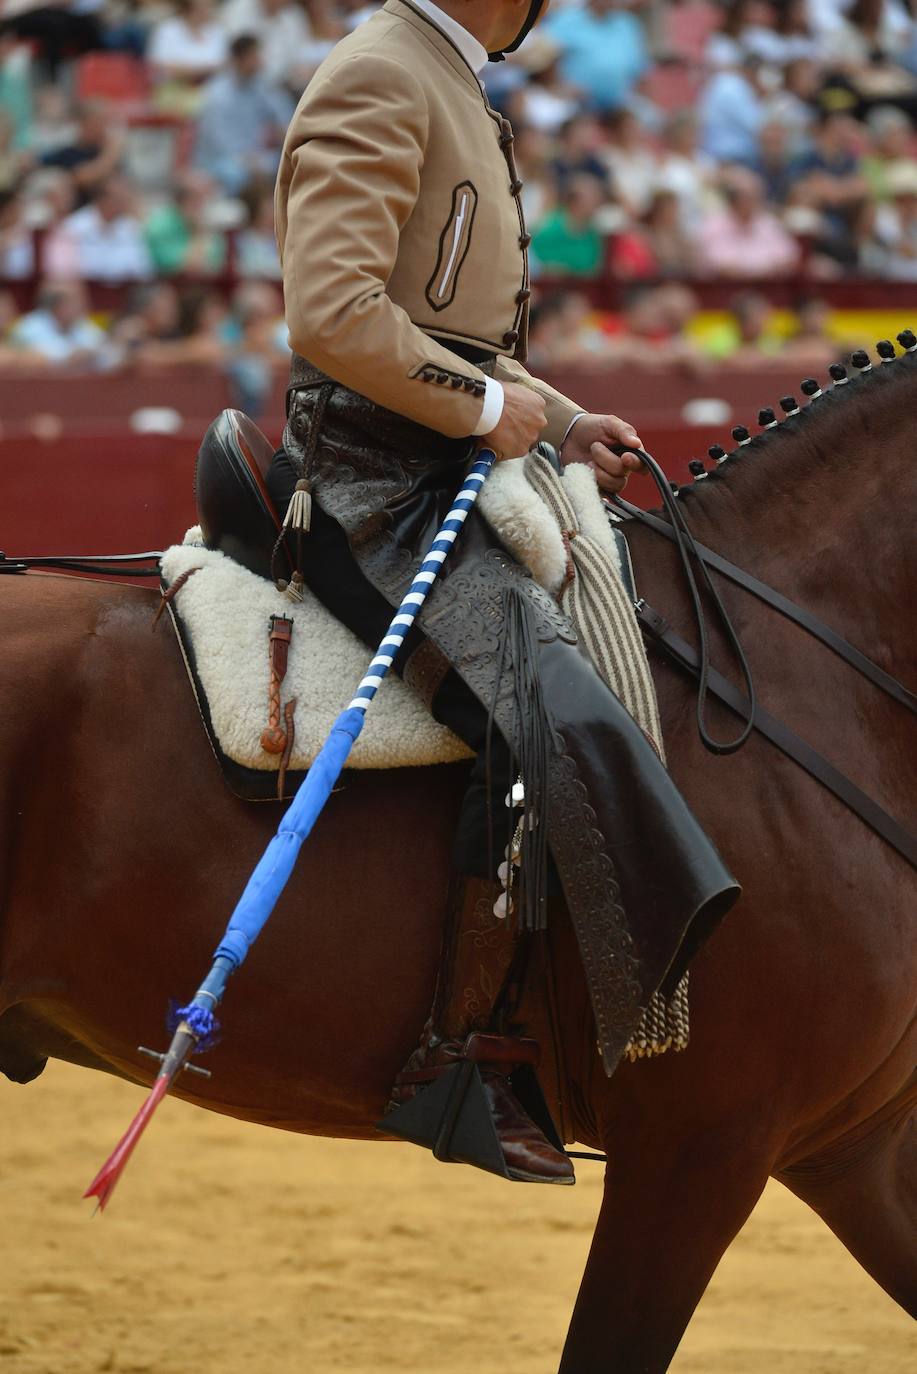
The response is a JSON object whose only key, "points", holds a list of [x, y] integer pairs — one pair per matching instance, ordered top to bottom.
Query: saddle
{"points": [[235, 511]]}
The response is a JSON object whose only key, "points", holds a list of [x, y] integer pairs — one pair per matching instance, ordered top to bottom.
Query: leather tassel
{"points": [[299, 511]]}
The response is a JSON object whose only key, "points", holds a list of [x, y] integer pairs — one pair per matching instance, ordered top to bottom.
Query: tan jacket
{"points": [[398, 217]]}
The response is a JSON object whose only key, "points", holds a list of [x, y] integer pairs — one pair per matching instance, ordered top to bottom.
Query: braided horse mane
{"points": [[824, 431]]}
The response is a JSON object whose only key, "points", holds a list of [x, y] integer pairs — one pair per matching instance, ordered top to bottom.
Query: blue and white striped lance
{"points": [[429, 570], [276, 864]]}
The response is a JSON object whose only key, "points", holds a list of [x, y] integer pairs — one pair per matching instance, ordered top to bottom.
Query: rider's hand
{"points": [[521, 423], [588, 442]]}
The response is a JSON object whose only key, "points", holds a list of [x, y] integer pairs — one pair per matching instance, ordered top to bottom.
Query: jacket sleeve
{"points": [[348, 182], [561, 411]]}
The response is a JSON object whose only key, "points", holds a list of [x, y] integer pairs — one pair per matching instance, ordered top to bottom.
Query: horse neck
{"points": [[822, 508]]}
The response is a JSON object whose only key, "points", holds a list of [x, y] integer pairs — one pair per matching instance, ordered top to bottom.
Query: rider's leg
{"points": [[478, 947]]}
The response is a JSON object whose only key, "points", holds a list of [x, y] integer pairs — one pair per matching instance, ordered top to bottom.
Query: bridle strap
{"points": [[687, 551], [763, 592], [661, 634]]}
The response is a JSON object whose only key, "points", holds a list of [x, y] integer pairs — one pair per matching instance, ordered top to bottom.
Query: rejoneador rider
{"points": [[406, 283]]}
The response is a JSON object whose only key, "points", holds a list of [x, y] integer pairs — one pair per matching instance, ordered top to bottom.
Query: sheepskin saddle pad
{"points": [[270, 675]]}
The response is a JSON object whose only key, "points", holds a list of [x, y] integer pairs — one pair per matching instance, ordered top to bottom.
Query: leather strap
{"points": [[781, 603], [280, 636], [816, 765]]}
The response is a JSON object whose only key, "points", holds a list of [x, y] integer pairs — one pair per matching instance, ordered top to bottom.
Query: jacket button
{"points": [[515, 187], [524, 240], [523, 295], [510, 337], [427, 376], [442, 378], [456, 382], [470, 383], [480, 388]]}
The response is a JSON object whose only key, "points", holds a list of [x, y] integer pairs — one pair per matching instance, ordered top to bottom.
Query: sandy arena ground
{"points": [[232, 1249]]}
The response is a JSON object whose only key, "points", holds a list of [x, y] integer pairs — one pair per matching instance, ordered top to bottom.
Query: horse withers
{"points": [[123, 854]]}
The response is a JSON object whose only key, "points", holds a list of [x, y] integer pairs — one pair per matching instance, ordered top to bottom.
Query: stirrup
{"points": [[452, 1117]]}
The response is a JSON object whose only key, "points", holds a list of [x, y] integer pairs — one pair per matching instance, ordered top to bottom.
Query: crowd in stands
{"points": [[664, 144]]}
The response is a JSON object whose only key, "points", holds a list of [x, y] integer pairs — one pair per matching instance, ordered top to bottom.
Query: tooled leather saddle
{"points": [[235, 511]]}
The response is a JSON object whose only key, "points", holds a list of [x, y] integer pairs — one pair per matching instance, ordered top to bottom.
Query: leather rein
{"points": [[659, 633]]}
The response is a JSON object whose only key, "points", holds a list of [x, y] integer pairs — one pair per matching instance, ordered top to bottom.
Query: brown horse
{"points": [[123, 854]]}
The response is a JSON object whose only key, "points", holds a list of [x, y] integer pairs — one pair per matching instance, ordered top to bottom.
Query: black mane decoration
{"points": [[818, 404]]}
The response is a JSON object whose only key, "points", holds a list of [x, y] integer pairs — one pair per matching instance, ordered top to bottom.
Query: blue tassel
{"points": [[201, 1022]]}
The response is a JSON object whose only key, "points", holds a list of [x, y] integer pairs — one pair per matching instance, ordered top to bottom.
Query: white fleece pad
{"points": [[225, 610]]}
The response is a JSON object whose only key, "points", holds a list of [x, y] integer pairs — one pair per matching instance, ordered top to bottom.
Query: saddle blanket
{"points": [[557, 527]]}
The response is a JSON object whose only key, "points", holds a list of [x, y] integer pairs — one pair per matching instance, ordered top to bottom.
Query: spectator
{"points": [[746, 28], [57, 29], [283, 32], [791, 38], [604, 49], [184, 52], [16, 87], [545, 102], [793, 104], [731, 113], [242, 122], [52, 124], [892, 142], [580, 145], [95, 150], [13, 162], [632, 162], [775, 164], [685, 170], [829, 180], [539, 187], [178, 235], [105, 237], [744, 238], [569, 239], [256, 244], [17, 245], [673, 250], [891, 251], [258, 309], [151, 318], [59, 329], [749, 335], [811, 347]]}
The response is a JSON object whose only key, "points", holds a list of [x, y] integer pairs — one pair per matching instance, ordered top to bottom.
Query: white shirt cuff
{"points": [[492, 408], [578, 416]]}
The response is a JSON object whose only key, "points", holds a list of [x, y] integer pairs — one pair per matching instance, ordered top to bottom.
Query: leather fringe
{"points": [[530, 760]]}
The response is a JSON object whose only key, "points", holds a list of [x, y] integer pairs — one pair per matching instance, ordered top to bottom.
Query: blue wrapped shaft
{"points": [[276, 864]]}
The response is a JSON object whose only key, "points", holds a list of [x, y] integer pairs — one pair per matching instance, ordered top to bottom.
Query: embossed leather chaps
{"points": [[643, 883]]}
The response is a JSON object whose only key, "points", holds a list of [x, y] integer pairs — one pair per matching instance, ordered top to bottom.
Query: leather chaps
{"points": [[643, 884]]}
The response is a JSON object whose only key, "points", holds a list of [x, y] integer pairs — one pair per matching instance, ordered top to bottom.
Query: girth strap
{"points": [[781, 603], [664, 637]]}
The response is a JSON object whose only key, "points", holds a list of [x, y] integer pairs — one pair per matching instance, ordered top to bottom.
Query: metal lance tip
{"points": [[908, 340], [886, 350], [860, 359], [838, 374], [810, 388], [789, 405], [766, 418], [741, 436], [716, 452], [697, 469]]}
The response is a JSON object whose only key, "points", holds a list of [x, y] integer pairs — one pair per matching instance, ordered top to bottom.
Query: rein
{"points": [[118, 564], [661, 634]]}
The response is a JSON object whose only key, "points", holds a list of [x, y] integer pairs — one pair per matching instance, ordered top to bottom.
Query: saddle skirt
{"points": [[557, 527]]}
